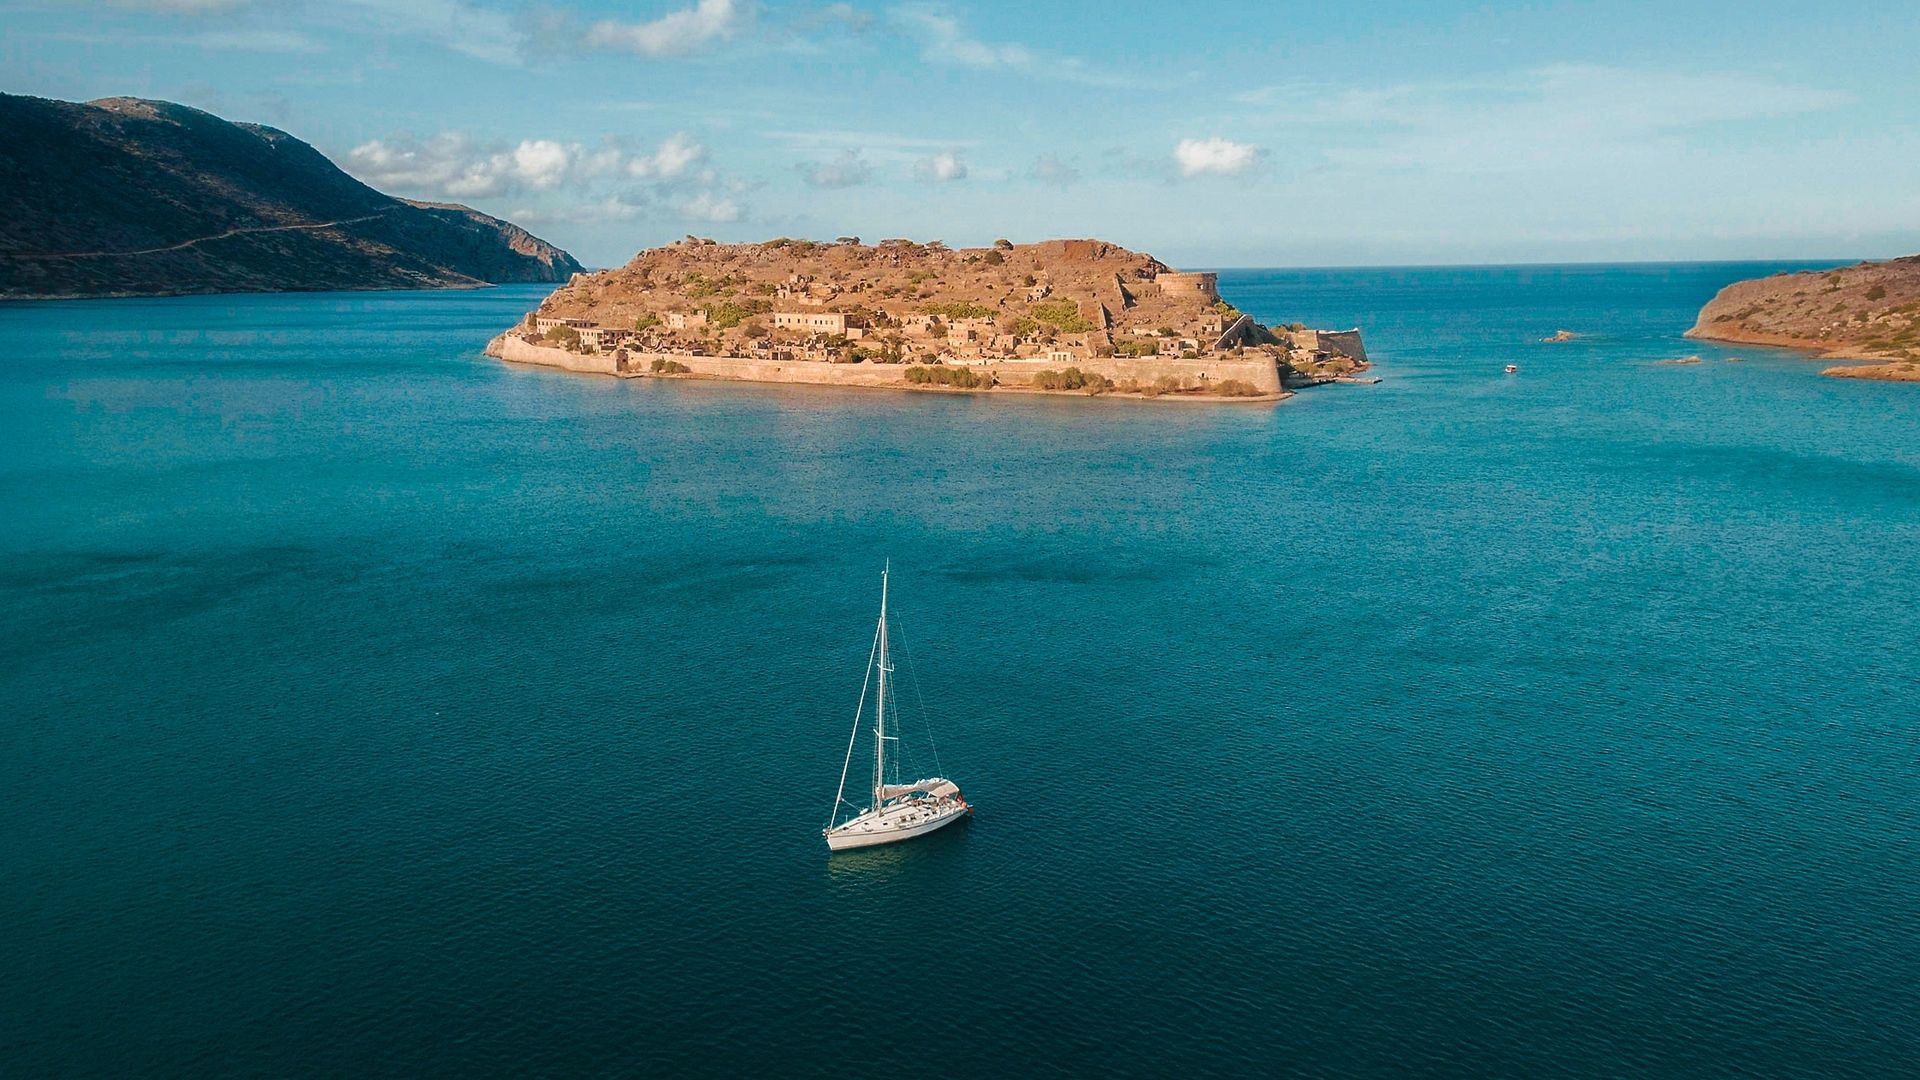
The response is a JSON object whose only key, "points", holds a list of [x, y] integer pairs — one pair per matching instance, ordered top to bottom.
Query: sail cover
{"points": [[935, 788]]}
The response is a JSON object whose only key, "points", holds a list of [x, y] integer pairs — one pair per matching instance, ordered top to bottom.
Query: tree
{"points": [[564, 336]]}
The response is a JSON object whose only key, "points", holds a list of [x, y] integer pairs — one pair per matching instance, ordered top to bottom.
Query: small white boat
{"points": [[1511, 368], [898, 811]]}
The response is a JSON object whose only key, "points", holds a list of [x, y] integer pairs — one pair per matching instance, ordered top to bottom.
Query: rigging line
{"points": [[913, 670], [840, 796]]}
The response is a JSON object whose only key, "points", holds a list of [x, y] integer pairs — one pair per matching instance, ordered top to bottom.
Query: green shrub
{"points": [[993, 257], [698, 286], [1878, 292], [958, 309], [728, 314], [1062, 315], [646, 322], [564, 336], [1136, 347], [670, 367], [958, 377], [1072, 379], [1236, 388]]}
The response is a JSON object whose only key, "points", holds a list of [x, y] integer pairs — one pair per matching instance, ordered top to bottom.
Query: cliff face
{"points": [[127, 197], [1871, 310]]}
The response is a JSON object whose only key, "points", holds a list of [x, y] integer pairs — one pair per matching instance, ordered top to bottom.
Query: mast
{"points": [[880, 703]]}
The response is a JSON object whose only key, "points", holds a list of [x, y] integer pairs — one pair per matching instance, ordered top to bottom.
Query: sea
{"points": [[371, 707]]}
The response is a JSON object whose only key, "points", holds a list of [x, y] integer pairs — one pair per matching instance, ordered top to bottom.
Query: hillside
{"points": [[126, 197], [1067, 302], [1867, 311]]}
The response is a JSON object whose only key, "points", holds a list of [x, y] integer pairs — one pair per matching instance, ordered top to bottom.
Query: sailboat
{"points": [[898, 811]]}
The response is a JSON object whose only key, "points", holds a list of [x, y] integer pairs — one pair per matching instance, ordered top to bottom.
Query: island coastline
{"points": [[1082, 318]]}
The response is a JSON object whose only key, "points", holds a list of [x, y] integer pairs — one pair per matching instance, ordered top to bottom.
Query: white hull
{"points": [[898, 811], [869, 831]]}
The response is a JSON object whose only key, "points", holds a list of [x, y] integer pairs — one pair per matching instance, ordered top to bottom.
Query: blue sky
{"points": [[1231, 134]]}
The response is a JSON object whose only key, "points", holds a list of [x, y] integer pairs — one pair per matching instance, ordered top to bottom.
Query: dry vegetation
{"points": [[1868, 310]]}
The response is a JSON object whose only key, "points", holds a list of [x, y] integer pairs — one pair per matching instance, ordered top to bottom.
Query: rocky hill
{"points": [[126, 197], [1063, 301], [1867, 311]]}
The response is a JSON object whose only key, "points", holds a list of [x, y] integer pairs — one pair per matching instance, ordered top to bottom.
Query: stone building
{"points": [[811, 322]]}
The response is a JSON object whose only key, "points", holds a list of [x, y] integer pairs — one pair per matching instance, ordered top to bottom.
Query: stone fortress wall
{"points": [[1202, 284], [1256, 369]]}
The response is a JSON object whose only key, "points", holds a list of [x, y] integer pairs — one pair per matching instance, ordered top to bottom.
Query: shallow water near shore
{"points": [[374, 707]]}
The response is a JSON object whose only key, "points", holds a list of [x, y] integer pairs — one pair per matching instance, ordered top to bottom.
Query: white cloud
{"points": [[479, 32], [673, 34], [944, 41], [1550, 118], [678, 154], [1224, 157], [453, 165], [941, 168], [1049, 169], [844, 170], [571, 182], [709, 206]]}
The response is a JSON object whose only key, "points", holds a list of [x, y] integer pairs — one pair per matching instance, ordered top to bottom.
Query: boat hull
{"points": [[848, 838]]}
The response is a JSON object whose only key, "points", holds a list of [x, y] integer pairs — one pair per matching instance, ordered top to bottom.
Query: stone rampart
{"points": [[1197, 283], [1344, 341], [1256, 369]]}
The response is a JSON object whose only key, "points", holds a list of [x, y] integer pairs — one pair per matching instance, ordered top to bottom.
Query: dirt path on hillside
{"points": [[196, 240]]}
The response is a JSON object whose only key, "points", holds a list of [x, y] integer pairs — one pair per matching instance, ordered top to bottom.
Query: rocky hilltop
{"points": [[127, 197], [1870, 311], [1081, 315]]}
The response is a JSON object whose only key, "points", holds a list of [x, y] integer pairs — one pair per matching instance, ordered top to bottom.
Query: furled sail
{"points": [[935, 788]]}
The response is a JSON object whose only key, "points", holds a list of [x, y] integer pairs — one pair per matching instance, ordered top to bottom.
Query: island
{"points": [[129, 197], [1869, 311], [1059, 316]]}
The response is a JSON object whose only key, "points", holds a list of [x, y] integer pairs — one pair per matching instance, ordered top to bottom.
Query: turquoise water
{"points": [[372, 707]]}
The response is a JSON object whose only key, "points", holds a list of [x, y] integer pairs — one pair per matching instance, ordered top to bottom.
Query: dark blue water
{"points": [[372, 707]]}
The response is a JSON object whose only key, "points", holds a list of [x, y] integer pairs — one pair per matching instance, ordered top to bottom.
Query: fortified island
{"points": [[1870, 311], [1062, 316]]}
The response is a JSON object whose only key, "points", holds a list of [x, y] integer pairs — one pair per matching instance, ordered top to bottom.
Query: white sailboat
{"points": [[898, 811]]}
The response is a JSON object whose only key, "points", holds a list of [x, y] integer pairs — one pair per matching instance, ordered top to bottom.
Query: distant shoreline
{"points": [[37, 298]]}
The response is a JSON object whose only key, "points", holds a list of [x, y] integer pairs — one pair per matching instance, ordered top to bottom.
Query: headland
{"points": [[128, 197], [1869, 311], [1061, 316]]}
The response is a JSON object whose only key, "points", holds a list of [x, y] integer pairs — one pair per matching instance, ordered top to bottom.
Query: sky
{"points": [[1227, 134]]}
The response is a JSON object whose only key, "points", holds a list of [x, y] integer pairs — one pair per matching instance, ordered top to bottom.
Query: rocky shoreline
{"points": [[1870, 311], [1081, 317], [995, 379]]}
